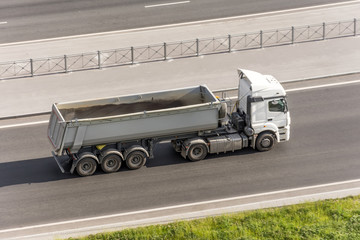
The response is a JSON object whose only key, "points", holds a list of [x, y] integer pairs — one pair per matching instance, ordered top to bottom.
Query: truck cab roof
{"points": [[262, 85]]}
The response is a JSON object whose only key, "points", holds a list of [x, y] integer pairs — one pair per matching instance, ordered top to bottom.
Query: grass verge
{"points": [[328, 219]]}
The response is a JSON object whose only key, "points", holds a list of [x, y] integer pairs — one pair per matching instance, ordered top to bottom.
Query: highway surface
{"points": [[28, 20], [323, 148]]}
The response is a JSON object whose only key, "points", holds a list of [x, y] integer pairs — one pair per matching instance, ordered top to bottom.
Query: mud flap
{"points": [[64, 165]]}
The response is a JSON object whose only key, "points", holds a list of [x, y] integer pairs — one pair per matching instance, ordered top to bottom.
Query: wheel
{"points": [[265, 142], [197, 152], [136, 160], [111, 163], [86, 167]]}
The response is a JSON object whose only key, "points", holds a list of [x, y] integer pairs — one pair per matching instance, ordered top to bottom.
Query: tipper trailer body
{"points": [[110, 131]]}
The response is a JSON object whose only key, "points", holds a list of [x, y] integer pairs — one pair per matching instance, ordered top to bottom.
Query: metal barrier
{"points": [[180, 49]]}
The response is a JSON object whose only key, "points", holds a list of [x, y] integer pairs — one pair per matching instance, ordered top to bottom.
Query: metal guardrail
{"points": [[179, 49]]}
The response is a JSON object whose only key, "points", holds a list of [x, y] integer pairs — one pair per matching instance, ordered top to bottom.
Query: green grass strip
{"points": [[328, 219]]}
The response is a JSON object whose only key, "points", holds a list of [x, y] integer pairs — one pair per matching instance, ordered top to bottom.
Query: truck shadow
{"points": [[42, 170], [30, 171]]}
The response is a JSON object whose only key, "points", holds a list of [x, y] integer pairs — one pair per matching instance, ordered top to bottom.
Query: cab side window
{"points": [[277, 105]]}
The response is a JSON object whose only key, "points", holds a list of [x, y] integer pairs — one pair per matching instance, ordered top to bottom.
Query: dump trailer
{"points": [[108, 132]]}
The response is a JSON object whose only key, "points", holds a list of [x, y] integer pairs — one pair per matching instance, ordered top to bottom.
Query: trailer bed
{"points": [[107, 110], [125, 118]]}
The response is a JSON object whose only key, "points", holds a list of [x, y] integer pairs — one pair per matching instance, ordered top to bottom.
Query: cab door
{"points": [[277, 112]]}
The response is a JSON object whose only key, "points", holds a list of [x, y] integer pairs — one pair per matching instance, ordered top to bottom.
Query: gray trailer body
{"points": [[74, 125]]}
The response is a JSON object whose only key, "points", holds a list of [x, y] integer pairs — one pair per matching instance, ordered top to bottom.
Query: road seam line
{"points": [[166, 4], [181, 24], [322, 86], [23, 124], [180, 206], [206, 212]]}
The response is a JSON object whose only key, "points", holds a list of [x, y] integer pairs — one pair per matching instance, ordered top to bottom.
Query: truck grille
{"points": [[282, 133]]}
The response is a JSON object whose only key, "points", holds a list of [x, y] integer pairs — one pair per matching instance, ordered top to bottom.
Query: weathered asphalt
{"points": [[47, 19], [323, 146], [323, 149]]}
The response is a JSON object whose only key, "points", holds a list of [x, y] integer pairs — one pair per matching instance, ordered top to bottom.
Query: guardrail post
{"points": [[354, 26], [324, 31], [292, 35], [261, 39], [229, 43], [197, 47], [164, 51], [132, 55], [99, 59], [65, 64], [32, 67]]}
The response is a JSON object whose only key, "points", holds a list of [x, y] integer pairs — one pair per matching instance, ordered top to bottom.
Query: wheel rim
{"points": [[266, 142], [198, 151], [136, 159], [110, 163], [86, 167]]}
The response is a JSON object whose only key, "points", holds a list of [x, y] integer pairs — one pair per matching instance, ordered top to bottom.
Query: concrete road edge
{"points": [[83, 227]]}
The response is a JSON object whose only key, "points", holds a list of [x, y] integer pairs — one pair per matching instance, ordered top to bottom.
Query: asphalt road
{"points": [[29, 20], [323, 148]]}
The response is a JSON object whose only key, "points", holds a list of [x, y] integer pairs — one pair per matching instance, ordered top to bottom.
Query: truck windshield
{"points": [[278, 105]]}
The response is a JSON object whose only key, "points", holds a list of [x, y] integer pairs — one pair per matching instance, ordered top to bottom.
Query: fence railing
{"points": [[179, 49]]}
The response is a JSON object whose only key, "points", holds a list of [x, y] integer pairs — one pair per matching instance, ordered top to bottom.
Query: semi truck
{"points": [[110, 132]]}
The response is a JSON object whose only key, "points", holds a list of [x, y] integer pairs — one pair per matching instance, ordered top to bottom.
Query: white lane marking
{"points": [[166, 4], [3, 23], [183, 24], [322, 86], [23, 124], [180, 206]]}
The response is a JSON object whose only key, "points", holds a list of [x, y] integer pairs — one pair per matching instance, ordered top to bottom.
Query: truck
{"points": [[110, 132]]}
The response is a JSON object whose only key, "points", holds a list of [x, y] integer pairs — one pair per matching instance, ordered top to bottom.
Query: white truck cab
{"points": [[263, 100]]}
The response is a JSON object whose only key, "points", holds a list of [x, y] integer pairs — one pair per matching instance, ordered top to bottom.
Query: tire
{"points": [[265, 142], [197, 152], [135, 160], [111, 163], [86, 167]]}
